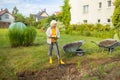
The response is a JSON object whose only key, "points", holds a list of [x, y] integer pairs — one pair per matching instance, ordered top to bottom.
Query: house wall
{"points": [[94, 12], [44, 15], [7, 18], [4, 24]]}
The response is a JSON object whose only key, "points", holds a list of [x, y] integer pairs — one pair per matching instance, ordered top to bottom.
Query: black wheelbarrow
{"points": [[109, 44], [74, 47]]}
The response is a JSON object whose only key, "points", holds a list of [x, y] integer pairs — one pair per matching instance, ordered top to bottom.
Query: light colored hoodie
{"points": [[49, 33]]}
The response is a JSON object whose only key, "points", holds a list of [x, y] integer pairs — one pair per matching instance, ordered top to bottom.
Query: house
{"points": [[91, 11], [40, 15], [6, 18]]}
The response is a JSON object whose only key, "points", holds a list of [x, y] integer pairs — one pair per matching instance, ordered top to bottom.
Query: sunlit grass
{"points": [[13, 60]]}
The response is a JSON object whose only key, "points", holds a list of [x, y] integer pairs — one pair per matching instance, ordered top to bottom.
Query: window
{"points": [[109, 3], [100, 4], [85, 8], [6, 16], [98, 20], [108, 20], [85, 21]]}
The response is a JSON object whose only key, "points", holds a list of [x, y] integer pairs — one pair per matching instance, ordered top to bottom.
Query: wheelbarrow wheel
{"points": [[110, 49], [80, 52]]}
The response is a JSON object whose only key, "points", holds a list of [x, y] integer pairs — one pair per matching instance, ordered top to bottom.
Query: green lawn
{"points": [[13, 60]]}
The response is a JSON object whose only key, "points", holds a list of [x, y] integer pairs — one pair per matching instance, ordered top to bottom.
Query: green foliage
{"points": [[116, 3], [15, 10], [66, 13], [116, 14], [59, 17], [19, 18], [30, 21], [45, 23], [61, 26], [97, 30], [29, 36], [16, 37], [20, 37], [35, 58], [78, 66], [101, 70]]}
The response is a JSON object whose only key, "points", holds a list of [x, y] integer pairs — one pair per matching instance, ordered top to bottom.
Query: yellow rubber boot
{"points": [[50, 60], [62, 62]]}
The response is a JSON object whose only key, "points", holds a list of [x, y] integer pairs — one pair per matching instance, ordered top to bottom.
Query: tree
{"points": [[15, 10], [66, 13], [116, 14], [19, 17], [59, 17], [30, 21]]}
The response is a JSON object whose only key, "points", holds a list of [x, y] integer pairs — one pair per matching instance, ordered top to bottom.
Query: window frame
{"points": [[109, 3], [100, 5], [85, 8], [6, 16], [99, 20], [108, 20], [85, 21]]}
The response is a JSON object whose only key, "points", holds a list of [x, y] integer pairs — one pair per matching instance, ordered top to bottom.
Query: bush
{"points": [[61, 26], [94, 30], [87, 33], [29, 36], [16, 37], [20, 37]]}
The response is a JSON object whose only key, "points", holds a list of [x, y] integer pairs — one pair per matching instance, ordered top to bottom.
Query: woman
{"points": [[52, 35]]}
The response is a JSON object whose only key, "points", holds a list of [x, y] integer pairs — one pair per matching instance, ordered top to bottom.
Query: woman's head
{"points": [[53, 23]]}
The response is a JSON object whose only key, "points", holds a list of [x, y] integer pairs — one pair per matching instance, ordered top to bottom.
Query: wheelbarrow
{"points": [[108, 44], [74, 47]]}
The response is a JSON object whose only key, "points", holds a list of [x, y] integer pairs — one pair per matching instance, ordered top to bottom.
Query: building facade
{"points": [[91, 11], [40, 15], [6, 18]]}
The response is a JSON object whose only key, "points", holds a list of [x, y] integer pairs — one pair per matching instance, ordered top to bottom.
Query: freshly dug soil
{"points": [[107, 42], [71, 72], [55, 73]]}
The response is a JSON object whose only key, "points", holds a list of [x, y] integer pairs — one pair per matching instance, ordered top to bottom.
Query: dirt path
{"points": [[68, 72]]}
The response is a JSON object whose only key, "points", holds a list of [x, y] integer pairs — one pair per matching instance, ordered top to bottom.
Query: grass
{"points": [[14, 60]]}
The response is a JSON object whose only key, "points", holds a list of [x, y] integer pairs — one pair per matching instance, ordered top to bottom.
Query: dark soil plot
{"points": [[71, 72], [49, 74]]}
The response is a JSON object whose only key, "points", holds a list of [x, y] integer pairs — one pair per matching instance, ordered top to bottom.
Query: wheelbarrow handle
{"points": [[118, 43]]}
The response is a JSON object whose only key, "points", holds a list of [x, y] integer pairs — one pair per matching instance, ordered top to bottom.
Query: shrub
{"points": [[116, 14], [61, 26], [68, 30], [94, 30], [16, 33], [87, 33], [29, 36], [16, 37], [20, 37]]}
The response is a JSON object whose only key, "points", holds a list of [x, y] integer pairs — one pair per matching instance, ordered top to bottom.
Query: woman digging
{"points": [[53, 35]]}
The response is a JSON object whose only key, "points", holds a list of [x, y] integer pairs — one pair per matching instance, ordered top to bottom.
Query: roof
{"points": [[4, 11], [39, 14]]}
